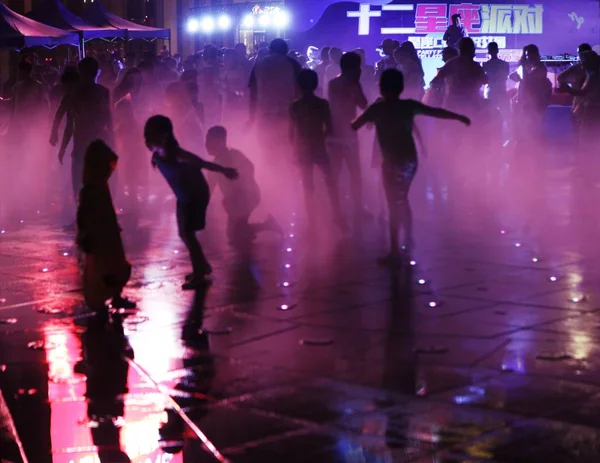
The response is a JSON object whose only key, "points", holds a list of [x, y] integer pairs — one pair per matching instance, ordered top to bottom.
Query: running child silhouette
{"points": [[394, 121], [183, 172], [240, 198], [106, 269]]}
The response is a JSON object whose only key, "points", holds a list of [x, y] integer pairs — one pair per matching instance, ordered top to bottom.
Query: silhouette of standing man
{"points": [[272, 89], [89, 110]]}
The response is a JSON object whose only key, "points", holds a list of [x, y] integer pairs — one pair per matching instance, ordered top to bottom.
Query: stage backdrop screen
{"points": [[556, 26]]}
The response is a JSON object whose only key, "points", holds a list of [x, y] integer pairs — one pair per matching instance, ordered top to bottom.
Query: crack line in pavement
{"points": [[8, 423], [207, 443]]}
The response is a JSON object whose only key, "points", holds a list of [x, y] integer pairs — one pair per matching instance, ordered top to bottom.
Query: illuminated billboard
{"points": [[555, 26]]}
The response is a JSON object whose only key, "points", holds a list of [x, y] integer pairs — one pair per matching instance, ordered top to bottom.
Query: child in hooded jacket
{"points": [[106, 269]]}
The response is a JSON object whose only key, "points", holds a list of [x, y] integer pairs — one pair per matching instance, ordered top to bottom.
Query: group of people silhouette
{"points": [[304, 113]]}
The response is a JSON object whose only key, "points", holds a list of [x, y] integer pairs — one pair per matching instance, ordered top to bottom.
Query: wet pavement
{"points": [[480, 348]]}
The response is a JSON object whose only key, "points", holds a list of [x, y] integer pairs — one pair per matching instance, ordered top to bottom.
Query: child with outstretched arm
{"points": [[394, 123], [183, 172], [240, 198]]}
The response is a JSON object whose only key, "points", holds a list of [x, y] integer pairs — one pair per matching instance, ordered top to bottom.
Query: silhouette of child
{"points": [[346, 97], [394, 122], [310, 125], [183, 172], [241, 198], [106, 269]]}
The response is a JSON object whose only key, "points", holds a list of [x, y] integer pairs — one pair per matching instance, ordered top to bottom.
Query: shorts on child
{"points": [[397, 177], [191, 216]]}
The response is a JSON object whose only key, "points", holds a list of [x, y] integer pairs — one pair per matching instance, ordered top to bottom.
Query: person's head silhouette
{"points": [[279, 47], [466, 47], [493, 49], [351, 65], [88, 68], [308, 81], [391, 84], [158, 133], [216, 140]]}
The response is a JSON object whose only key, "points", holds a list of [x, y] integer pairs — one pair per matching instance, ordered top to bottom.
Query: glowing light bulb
{"points": [[281, 19], [264, 20], [224, 22], [248, 22], [208, 24], [193, 25], [22, 221], [2, 232], [503, 232], [291, 235], [517, 245], [289, 249], [175, 251], [65, 254], [535, 259], [412, 262], [287, 266], [164, 267], [45, 269], [553, 278], [421, 281], [285, 284], [576, 299], [433, 304], [284, 307]]}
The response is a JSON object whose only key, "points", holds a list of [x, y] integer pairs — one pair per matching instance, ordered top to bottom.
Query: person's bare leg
{"points": [[355, 171], [308, 184], [334, 196], [407, 225], [200, 264]]}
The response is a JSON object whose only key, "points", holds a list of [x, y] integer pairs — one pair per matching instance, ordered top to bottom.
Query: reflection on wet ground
{"points": [[481, 347]]}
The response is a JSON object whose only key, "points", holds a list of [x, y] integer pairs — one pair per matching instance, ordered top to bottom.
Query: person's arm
{"points": [[297, 69], [568, 75], [440, 77], [483, 78], [252, 85], [583, 91], [361, 99], [200, 112], [440, 113], [58, 116], [363, 119], [327, 120], [108, 123], [292, 125], [67, 135], [210, 166], [228, 172]]}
